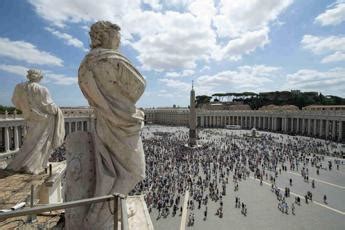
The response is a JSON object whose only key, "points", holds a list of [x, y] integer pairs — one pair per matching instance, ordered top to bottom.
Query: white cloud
{"points": [[154, 4], [204, 10], [60, 12], [238, 16], [333, 16], [246, 24], [175, 34], [67, 38], [178, 40], [245, 44], [319, 45], [334, 46], [27, 52], [335, 57], [205, 68], [15, 69], [184, 73], [173, 74], [48, 76], [243, 78], [60, 79], [331, 81], [176, 84]]}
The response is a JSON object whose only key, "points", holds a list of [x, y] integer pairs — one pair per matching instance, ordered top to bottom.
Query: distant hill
{"points": [[255, 101]]}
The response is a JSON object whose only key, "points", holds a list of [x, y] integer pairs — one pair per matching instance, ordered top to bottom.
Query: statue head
{"points": [[105, 34], [34, 75]]}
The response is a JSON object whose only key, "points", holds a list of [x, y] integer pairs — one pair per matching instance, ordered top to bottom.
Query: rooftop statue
{"points": [[112, 86], [45, 123]]}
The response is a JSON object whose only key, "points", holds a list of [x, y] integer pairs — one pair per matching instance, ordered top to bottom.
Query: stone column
{"points": [[202, 121], [264, 121], [88, 124], [272, 124], [283, 124], [286, 124], [297, 125], [303, 125], [84, 126], [308, 126], [315, 128], [320, 128], [327, 129], [333, 129], [68, 131], [340, 131], [16, 138], [7, 140]]}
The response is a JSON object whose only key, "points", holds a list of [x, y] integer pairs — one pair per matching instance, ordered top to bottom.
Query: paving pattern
{"points": [[262, 203]]}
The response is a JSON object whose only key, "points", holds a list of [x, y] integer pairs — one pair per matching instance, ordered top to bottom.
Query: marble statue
{"points": [[112, 86], [45, 122]]}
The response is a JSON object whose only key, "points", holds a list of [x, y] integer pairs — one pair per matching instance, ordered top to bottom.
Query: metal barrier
{"points": [[116, 197]]}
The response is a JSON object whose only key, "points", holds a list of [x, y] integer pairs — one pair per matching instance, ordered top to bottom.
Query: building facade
{"points": [[321, 124], [324, 124]]}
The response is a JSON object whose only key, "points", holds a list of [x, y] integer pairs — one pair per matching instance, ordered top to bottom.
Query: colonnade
{"points": [[76, 124], [321, 124], [325, 126], [13, 131]]}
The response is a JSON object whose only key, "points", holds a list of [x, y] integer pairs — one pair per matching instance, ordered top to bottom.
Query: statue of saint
{"points": [[112, 86], [45, 122]]}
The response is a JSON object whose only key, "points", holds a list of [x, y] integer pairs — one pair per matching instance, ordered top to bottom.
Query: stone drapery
{"points": [[112, 86], [45, 127]]}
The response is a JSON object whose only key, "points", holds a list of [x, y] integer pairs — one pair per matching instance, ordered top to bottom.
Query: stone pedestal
{"points": [[80, 177], [80, 184], [51, 190]]}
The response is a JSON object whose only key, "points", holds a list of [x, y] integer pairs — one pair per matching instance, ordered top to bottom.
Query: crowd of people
{"points": [[223, 158]]}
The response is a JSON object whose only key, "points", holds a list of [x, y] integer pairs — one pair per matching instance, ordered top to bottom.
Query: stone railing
{"points": [[13, 130]]}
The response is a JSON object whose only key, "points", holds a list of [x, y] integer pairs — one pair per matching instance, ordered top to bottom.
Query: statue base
{"points": [[80, 184]]}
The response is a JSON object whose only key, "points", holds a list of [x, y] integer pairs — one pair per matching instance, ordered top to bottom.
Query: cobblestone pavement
{"points": [[262, 203]]}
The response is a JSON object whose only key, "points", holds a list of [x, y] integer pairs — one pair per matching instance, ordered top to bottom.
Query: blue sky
{"points": [[223, 45]]}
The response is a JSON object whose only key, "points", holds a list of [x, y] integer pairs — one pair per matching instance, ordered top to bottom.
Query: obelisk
{"points": [[192, 119]]}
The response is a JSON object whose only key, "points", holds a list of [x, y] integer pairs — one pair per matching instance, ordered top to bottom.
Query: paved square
{"points": [[172, 169]]}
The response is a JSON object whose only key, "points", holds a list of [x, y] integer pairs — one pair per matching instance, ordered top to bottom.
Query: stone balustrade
{"points": [[13, 129]]}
